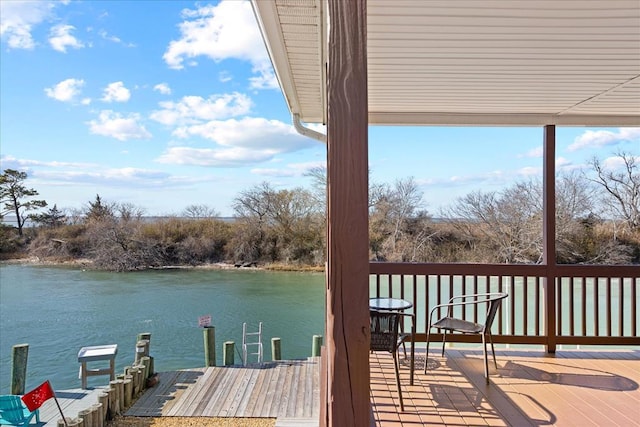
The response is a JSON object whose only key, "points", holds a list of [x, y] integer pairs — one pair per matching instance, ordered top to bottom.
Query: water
{"points": [[59, 310]]}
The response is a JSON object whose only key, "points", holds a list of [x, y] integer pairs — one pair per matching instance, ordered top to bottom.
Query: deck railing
{"points": [[587, 305]]}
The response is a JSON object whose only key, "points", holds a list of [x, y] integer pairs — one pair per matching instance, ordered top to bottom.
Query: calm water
{"points": [[58, 310]]}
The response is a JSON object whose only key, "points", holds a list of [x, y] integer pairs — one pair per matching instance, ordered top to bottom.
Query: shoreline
{"points": [[87, 263]]}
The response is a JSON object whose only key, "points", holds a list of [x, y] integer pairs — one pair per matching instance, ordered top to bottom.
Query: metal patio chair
{"points": [[450, 323], [386, 336]]}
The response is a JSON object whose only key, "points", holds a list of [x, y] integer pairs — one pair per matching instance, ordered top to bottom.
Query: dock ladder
{"points": [[251, 341]]}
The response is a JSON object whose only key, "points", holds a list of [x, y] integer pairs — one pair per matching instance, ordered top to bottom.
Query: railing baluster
{"points": [[537, 305], [621, 305], [634, 305], [584, 306], [596, 306], [572, 307], [512, 309], [559, 311], [525, 313], [608, 316]]}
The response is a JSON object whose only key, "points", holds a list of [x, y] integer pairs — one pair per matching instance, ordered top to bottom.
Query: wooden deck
{"points": [[530, 388], [286, 390]]}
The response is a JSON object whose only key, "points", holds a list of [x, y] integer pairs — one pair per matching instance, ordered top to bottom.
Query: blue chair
{"points": [[13, 412]]}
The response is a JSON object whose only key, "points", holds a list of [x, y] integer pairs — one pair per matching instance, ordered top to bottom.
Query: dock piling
{"points": [[317, 345], [209, 346], [276, 349], [229, 353], [19, 368]]}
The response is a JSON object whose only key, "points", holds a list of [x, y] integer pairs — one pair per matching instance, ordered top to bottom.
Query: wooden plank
{"points": [[277, 391], [292, 392], [249, 393], [217, 394], [258, 399]]}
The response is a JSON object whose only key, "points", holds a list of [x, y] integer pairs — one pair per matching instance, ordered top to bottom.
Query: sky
{"points": [[168, 104]]}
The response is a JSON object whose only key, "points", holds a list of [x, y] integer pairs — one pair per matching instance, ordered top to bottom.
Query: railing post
{"points": [[549, 234]]}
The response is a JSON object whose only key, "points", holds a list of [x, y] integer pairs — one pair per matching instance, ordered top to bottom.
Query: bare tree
{"points": [[622, 188], [200, 211]]}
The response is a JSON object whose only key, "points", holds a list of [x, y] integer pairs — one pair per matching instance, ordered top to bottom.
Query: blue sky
{"points": [[172, 103]]}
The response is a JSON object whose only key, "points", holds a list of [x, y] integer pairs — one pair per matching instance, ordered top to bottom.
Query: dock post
{"points": [[317, 345], [210, 346], [142, 350], [276, 352], [229, 353], [19, 368]]}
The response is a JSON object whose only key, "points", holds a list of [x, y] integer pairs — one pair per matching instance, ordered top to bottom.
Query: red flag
{"points": [[36, 397]]}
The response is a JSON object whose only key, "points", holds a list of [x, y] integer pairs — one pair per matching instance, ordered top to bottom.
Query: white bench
{"points": [[97, 353]]}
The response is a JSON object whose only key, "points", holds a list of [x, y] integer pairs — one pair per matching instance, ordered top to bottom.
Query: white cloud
{"points": [[18, 18], [228, 30], [60, 38], [266, 78], [163, 88], [65, 91], [116, 92], [195, 109], [118, 126], [249, 132], [603, 138], [239, 143], [534, 153], [229, 157], [616, 162], [290, 170]]}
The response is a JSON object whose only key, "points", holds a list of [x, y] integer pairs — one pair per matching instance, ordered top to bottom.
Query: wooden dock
{"points": [[285, 390], [71, 401]]}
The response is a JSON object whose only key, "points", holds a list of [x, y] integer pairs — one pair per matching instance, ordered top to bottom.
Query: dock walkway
{"points": [[285, 390], [71, 401]]}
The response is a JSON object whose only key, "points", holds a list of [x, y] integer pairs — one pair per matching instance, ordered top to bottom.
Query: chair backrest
{"points": [[494, 305], [384, 330], [12, 409]]}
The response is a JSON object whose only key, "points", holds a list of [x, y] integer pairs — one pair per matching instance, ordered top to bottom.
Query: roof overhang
{"points": [[469, 62]]}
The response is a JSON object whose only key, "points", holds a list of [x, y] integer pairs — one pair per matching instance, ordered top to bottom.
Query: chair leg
{"points": [[444, 340], [493, 351], [426, 353], [486, 360], [397, 367]]}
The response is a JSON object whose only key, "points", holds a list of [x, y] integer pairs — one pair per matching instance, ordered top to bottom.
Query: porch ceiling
{"points": [[470, 62]]}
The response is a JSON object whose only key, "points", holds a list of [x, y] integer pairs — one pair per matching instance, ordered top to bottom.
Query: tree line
{"points": [[597, 221]]}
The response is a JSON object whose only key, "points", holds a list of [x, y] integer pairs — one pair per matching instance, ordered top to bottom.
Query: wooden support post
{"points": [[549, 234], [347, 323], [144, 336], [316, 345], [209, 346], [142, 350], [276, 350], [229, 353], [19, 356], [146, 362], [128, 390], [103, 401], [112, 403], [99, 413], [85, 416]]}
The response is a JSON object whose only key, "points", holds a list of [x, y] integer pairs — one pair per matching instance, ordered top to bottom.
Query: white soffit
{"points": [[472, 62]]}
